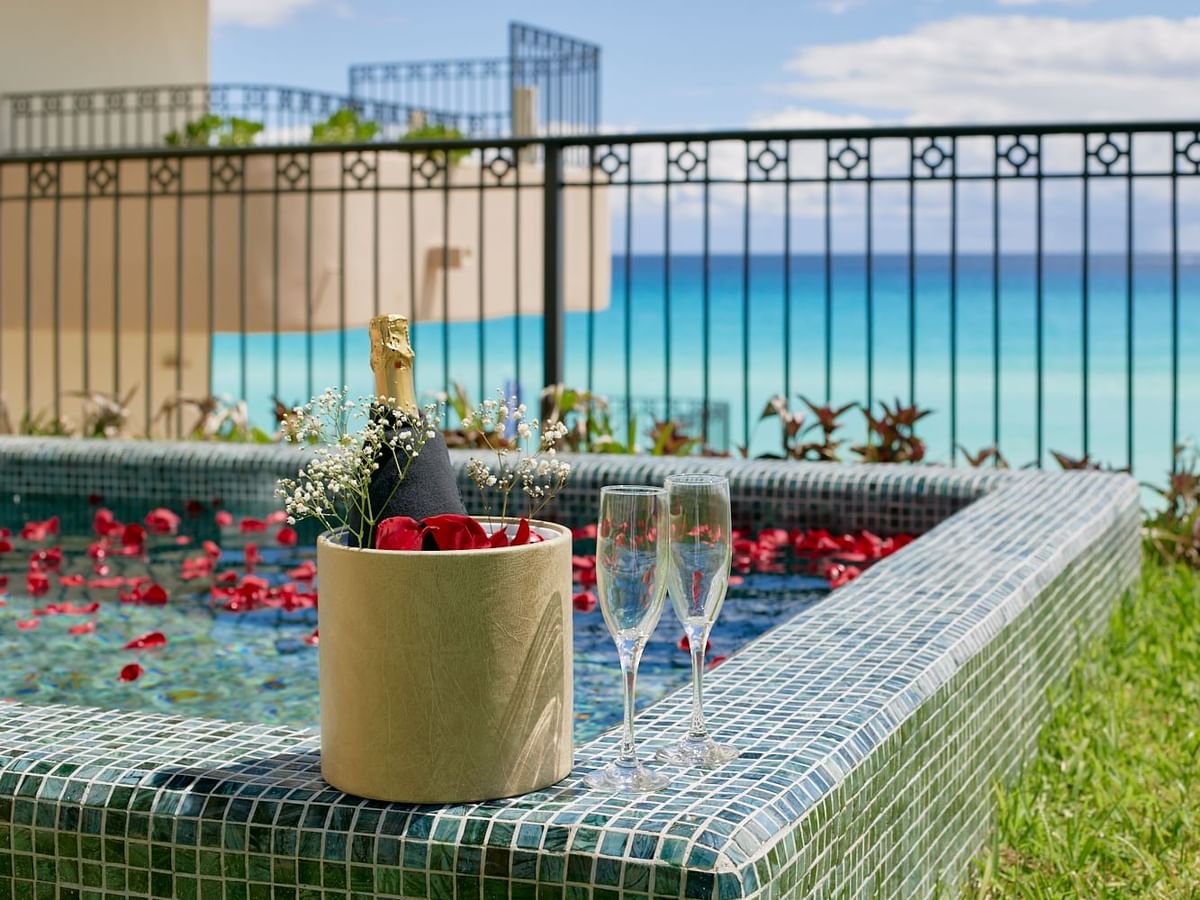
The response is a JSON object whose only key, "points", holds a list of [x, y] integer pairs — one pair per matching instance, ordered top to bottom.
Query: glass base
{"points": [[706, 753], [636, 779]]}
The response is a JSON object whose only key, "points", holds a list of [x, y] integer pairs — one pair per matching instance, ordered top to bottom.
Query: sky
{"points": [[707, 64]]}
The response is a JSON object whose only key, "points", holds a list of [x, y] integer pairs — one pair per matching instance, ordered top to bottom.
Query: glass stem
{"points": [[697, 643], [629, 664]]}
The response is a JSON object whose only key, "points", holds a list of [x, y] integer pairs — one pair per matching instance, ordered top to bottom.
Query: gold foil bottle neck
{"points": [[392, 361]]}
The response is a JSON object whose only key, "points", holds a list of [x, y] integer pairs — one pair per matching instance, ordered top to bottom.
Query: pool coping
{"points": [[820, 702]]}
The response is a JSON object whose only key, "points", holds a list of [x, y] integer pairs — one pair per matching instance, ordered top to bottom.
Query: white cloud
{"points": [[255, 13], [1010, 68], [801, 117]]}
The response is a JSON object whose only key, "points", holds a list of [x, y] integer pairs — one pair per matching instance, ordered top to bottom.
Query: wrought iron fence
{"points": [[549, 84], [144, 116], [1034, 285]]}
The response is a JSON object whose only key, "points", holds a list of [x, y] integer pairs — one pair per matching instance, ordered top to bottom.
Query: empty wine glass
{"points": [[700, 553], [631, 569]]}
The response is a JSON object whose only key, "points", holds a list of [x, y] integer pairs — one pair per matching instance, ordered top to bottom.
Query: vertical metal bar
{"points": [[447, 168], [342, 178], [412, 249], [179, 253], [375, 261], [211, 262], [552, 265], [517, 268], [787, 271], [308, 273], [912, 275], [667, 279], [828, 279], [870, 285], [56, 287], [29, 289], [629, 291], [86, 294], [996, 294], [706, 298], [953, 298], [1039, 298], [746, 300], [1085, 305], [1174, 305], [1129, 306], [591, 318], [275, 336], [242, 337], [481, 344], [148, 386]]}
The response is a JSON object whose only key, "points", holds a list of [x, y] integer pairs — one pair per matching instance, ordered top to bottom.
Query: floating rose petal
{"points": [[95, 499], [193, 508], [223, 518], [277, 518], [162, 521], [104, 523], [251, 526], [40, 531], [399, 533], [584, 533], [133, 535], [286, 537], [183, 540], [5, 545], [98, 550], [212, 550], [252, 556], [48, 560], [583, 562], [196, 567], [306, 571], [229, 577], [736, 580], [113, 581], [3, 582], [36, 583], [155, 595], [584, 602], [67, 609], [27, 624], [82, 628], [313, 639], [147, 641], [686, 646], [716, 661], [131, 672]]}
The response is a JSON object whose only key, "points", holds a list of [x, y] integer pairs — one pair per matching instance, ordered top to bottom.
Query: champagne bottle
{"points": [[429, 488]]}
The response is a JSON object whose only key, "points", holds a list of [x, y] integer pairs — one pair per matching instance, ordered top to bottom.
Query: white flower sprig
{"points": [[348, 442], [525, 453]]}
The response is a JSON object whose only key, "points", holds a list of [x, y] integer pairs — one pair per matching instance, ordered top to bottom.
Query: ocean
{"points": [[651, 337]]}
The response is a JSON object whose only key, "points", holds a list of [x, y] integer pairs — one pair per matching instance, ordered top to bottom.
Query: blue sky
{"points": [[715, 63]]}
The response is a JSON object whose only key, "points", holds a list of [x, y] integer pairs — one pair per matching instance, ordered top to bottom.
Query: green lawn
{"points": [[1110, 807]]}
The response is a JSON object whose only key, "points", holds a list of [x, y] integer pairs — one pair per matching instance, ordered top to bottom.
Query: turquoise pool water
{"points": [[247, 653]]}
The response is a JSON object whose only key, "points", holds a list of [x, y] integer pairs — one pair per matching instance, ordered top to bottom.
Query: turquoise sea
{"points": [[653, 330]]}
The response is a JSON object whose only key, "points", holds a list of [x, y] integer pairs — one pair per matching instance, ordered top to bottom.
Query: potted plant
{"points": [[445, 649]]}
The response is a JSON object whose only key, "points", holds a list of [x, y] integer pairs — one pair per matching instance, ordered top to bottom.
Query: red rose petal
{"points": [[223, 518], [277, 518], [162, 521], [251, 526], [587, 531], [455, 532], [399, 533], [133, 535], [522, 536], [286, 537], [499, 538], [5, 545], [252, 556], [306, 571], [71, 580], [114, 581], [37, 584], [155, 595], [585, 602], [28, 624], [82, 628], [313, 639], [147, 641], [716, 661], [131, 672]]}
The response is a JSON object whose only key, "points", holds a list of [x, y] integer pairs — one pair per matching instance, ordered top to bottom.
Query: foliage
{"points": [[345, 126], [213, 130], [438, 132], [217, 419], [588, 420], [828, 422], [464, 435], [891, 436], [982, 457], [1083, 463], [1173, 532], [1108, 808]]}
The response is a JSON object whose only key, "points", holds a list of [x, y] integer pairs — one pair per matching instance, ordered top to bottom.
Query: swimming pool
{"points": [[199, 611]]}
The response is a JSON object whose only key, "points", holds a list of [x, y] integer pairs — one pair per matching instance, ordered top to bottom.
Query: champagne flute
{"points": [[700, 553], [631, 569]]}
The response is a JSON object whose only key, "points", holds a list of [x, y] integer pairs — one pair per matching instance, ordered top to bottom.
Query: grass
{"points": [[1110, 806]]}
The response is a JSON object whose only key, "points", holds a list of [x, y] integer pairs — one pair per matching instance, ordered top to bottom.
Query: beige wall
{"points": [[61, 44]]}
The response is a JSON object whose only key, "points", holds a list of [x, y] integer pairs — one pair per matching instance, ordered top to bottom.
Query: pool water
{"points": [[250, 653]]}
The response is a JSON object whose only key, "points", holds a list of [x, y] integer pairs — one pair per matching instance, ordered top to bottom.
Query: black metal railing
{"points": [[549, 84], [146, 116], [1034, 285]]}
